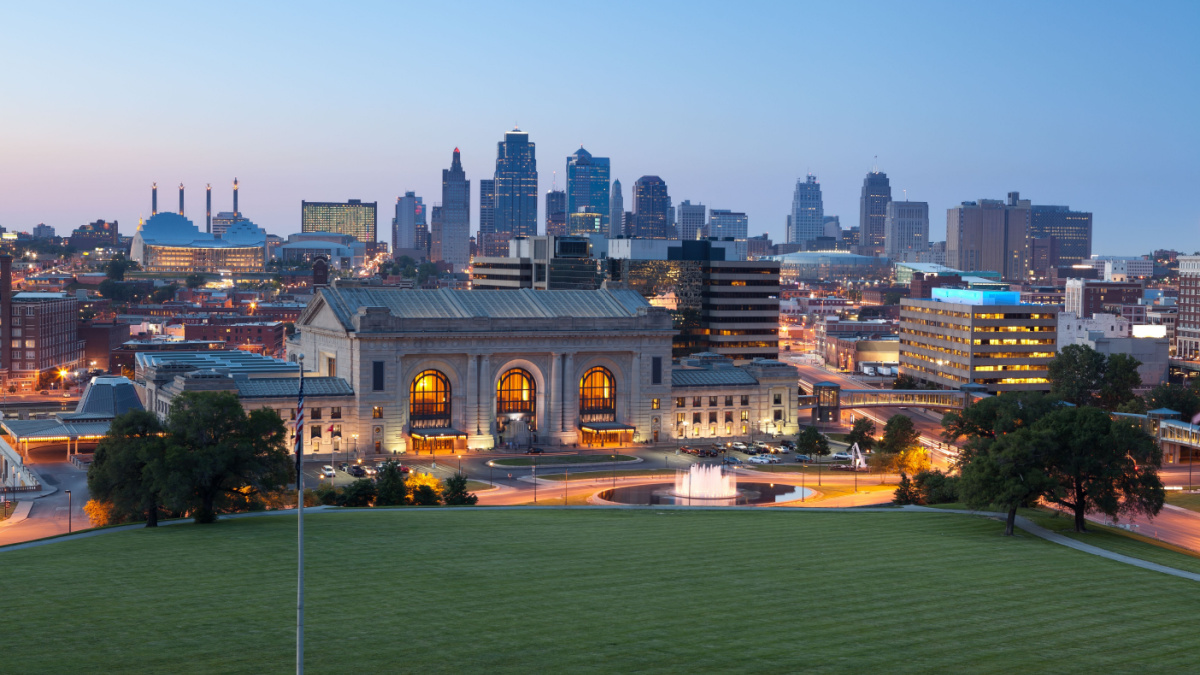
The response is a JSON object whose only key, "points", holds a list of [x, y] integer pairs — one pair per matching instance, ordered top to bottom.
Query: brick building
{"points": [[261, 337]]}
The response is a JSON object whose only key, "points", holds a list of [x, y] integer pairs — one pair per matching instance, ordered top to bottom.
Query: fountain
{"points": [[705, 481]]}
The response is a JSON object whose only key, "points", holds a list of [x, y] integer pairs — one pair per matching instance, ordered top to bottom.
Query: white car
{"points": [[738, 445], [761, 445], [841, 456], [762, 459], [327, 471]]}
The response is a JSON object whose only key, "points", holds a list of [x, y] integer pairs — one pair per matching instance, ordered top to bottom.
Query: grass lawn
{"points": [[562, 459], [600, 475], [478, 486], [1183, 500], [452, 591]]}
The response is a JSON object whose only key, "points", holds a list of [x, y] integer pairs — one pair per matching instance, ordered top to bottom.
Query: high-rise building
{"points": [[587, 185], [516, 188], [650, 204], [616, 211], [872, 211], [808, 212], [556, 213], [354, 217], [410, 217], [487, 218], [691, 220], [584, 223], [724, 223], [833, 227], [905, 229], [1072, 231], [435, 232], [990, 235], [453, 244], [1187, 325]]}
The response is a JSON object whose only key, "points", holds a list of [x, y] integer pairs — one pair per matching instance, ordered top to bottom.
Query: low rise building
{"points": [[1113, 334]]}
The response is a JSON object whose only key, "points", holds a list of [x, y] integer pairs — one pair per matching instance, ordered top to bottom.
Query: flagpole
{"points": [[300, 523]]}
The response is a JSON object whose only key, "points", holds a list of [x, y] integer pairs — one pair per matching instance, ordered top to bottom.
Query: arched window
{"points": [[516, 392], [597, 394], [429, 400]]}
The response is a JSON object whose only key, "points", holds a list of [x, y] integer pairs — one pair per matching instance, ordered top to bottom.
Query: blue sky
{"points": [[1088, 104]]}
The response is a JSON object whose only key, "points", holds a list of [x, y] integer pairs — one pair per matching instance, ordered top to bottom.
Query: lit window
{"points": [[516, 392], [654, 404]]}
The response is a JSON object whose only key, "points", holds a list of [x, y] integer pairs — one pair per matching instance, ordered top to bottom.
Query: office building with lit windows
{"points": [[355, 218], [168, 242], [987, 338]]}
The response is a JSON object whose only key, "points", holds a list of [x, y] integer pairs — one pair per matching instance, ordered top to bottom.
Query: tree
{"points": [[116, 268], [426, 270], [194, 281], [164, 293], [1076, 373], [1121, 377], [906, 381], [1175, 397], [995, 415], [863, 433], [899, 434], [810, 441], [215, 452], [1099, 464], [123, 467], [1007, 473], [936, 487], [424, 488], [391, 489], [906, 492], [360, 493], [456, 493], [425, 495]]}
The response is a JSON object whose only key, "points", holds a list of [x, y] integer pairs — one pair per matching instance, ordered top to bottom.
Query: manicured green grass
{"points": [[543, 460], [601, 475], [478, 486], [1183, 500], [454, 591]]}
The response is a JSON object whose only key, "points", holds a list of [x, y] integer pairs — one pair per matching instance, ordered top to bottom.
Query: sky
{"points": [[1089, 104]]}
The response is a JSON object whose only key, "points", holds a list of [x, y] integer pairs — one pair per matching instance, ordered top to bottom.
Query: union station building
{"points": [[451, 370]]}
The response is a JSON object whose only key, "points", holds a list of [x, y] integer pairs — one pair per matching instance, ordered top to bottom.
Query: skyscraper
{"points": [[587, 185], [516, 188], [650, 204], [616, 211], [872, 211], [556, 212], [808, 212], [354, 217], [410, 217], [487, 218], [691, 220], [723, 223], [905, 230], [435, 232], [1072, 232], [990, 235], [454, 246]]}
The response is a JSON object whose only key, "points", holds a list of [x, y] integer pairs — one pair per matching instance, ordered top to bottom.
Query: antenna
{"points": [[875, 167], [905, 194]]}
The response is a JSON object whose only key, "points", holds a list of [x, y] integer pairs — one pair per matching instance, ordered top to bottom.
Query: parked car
{"points": [[738, 445], [761, 445], [790, 445], [717, 447], [783, 450], [534, 451], [841, 457], [804, 458], [759, 459], [772, 459], [732, 461], [344, 466], [370, 470], [357, 471], [327, 472]]}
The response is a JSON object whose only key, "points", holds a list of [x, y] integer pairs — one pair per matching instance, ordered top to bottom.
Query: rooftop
{"points": [[236, 361], [289, 387]]}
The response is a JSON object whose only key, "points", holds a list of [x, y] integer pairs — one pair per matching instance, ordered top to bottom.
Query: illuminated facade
{"points": [[354, 217], [168, 242], [203, 259], [978, 337]]}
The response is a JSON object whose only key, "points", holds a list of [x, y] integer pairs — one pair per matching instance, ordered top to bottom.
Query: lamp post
{"points": [[355, 445], [69, 505]]}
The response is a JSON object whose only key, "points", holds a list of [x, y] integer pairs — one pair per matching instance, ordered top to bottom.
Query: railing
{"points": [[921, 398]]}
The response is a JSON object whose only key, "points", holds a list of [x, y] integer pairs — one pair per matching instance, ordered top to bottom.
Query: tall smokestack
{"points": [[154, 199], [181, 199], [208, 208], [235, 208], [6, 310]]}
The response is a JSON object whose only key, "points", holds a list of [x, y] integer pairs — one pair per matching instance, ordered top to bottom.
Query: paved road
{"points": [[48, 515]]}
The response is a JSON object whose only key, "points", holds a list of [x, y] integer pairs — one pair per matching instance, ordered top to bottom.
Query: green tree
{"points": [[118, 266], [426, 270], [194, 281], [115, 291], [164, 293], [1076, 374], [1121, 377], [906, 381], [1175, 397], [995, 415], [863, 433], [899, 434], [810, 441], [217, 453], [1100, 465], [123, 466], [1008, 473], [936, 487], [391, 489], [906, 492], [325, 493], [360, 493], [456, 493], [426, 495]]}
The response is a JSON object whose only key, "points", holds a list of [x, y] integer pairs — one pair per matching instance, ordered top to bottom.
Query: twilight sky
{"points": [[1090, 104]]}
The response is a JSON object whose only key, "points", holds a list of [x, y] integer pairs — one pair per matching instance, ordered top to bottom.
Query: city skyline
{"points": [[1107, 108]]}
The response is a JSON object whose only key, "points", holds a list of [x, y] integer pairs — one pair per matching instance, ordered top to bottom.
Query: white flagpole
{"points": [[300, 523]]}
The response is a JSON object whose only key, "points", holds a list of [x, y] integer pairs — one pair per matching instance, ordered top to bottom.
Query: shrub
{"points": [[935, 487]]}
